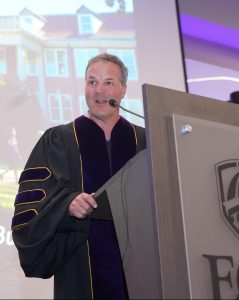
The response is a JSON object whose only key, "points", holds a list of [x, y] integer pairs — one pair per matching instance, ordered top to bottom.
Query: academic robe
{"points": [[67, 160]]}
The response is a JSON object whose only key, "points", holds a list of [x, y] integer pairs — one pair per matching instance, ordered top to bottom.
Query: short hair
{"points": [[110, 58], [234, 97]]}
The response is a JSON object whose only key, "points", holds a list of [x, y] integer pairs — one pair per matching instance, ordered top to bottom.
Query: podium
{"points": [[175, 205]]}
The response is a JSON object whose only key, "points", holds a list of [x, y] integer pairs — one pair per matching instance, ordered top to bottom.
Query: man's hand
{"points": [[82, 205]]}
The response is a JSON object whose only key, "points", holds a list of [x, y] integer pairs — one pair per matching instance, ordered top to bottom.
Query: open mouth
{"points": [[99, 101]]}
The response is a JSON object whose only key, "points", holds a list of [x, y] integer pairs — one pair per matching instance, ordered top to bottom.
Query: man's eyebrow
{"points": [[91, 78], [108, 78]]}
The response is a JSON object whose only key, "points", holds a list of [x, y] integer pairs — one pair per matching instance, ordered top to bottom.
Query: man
{"points": [[52, 227]]}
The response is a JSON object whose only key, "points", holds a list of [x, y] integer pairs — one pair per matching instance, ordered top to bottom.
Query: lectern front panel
{"points": [[208, 168]]}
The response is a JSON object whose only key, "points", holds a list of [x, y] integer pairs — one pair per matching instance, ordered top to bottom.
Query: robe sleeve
{"points": [[43, 232]]}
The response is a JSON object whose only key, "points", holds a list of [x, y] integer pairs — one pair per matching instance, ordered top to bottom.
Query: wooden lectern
{"points": [[175, 205]]}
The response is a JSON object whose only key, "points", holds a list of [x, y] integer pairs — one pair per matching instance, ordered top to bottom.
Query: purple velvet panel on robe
{"points": [[34, 174], [29, 196], [23, 217], [107, 272]]}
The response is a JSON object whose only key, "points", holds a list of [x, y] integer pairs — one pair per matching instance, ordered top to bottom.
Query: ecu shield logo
{"points": [[227, 173]]}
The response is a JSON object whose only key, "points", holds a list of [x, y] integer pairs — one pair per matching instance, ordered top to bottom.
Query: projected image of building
{"points": [[42, 65]]}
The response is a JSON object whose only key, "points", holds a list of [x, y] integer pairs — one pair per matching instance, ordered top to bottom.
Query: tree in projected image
{"points": [[121, 4]]}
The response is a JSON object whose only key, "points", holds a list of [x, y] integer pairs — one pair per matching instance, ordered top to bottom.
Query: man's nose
{"points": [[100, 88]]}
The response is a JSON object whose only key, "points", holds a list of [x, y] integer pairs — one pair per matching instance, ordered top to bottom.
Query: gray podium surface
{"points": [[195, 192], [175, 205], [131, 206], [211, 230]]}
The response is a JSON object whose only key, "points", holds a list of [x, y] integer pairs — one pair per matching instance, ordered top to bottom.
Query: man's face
{"points": [[103, 83]]}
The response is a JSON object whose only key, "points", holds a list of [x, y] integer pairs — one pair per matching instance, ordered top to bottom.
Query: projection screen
{"points": [[44, 48]]}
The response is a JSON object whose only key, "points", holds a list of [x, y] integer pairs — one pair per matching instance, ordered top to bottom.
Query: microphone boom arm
{"points": [[114, 103], [131, 112]]}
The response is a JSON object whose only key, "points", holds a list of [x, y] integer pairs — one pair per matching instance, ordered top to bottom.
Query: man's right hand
{"points": [[82, 205]]}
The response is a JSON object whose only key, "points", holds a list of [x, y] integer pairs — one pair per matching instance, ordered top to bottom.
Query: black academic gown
{"points": [[67, 160]]}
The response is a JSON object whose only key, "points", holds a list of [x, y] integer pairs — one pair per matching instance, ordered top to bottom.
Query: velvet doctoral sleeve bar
{"points": [[43, 232]]}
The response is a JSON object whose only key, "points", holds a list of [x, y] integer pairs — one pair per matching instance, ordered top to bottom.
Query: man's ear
{"points": [[124, 89]]}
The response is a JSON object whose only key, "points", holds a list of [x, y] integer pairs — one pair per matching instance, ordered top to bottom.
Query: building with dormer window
{"points": [[47, 55]]}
